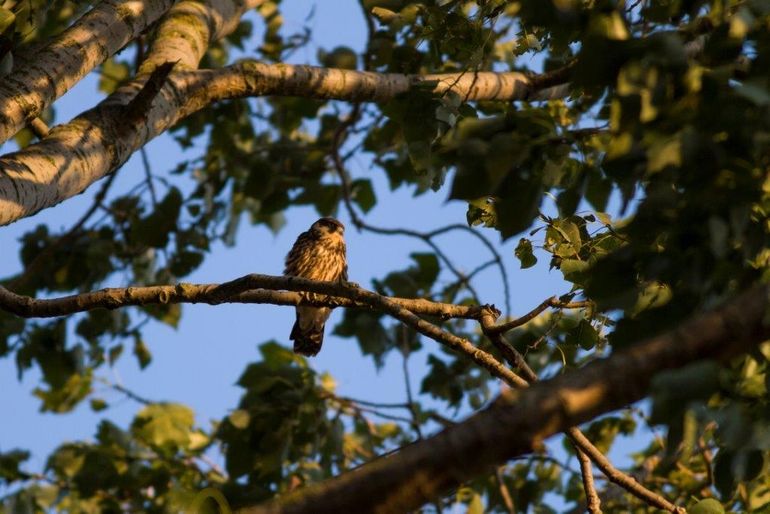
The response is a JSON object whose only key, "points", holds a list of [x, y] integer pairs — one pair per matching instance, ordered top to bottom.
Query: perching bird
{"points": [[318, 254]]}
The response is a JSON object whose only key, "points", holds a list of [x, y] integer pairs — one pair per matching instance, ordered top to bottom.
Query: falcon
{"points": [[318, 254]]}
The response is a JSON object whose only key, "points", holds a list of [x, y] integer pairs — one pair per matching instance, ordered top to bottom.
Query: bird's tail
{"points": [[307, 342]]}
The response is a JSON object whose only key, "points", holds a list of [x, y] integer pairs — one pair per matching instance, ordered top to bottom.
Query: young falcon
{"points": [[318, 254]]}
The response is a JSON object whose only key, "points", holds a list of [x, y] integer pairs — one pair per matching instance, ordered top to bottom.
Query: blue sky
{"points": [[198, 363]]}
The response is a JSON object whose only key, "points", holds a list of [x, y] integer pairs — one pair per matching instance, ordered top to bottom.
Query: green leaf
{"points": [[7, 18], [341, 57], [113, 74], [363, 194], [481, 211], [154, 230], [523, 252], [573, 269], [367, 328], [583, 335], [142, 353], [673, 391], [66, 396], [97, 404], [239, 418], [165, 426], [10, 465], [724, 477], [475, 506], [707, 506]]}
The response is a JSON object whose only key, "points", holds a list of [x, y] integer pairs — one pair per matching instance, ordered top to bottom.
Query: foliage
{"points": [[646, 186]]}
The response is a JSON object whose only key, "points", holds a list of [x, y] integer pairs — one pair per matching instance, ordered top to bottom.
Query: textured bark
{"points": [[188, 29], [61, 64], [97, 142], [249, 289], [519, 420]]}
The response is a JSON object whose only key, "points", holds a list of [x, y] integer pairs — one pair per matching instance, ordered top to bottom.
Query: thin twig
{"points": [[38, 127], [148, 176], [34, 268], [550, 302], [130, 394], [505, 494], [593, 503]]}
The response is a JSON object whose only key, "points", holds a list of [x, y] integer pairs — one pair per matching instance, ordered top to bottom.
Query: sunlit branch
{"points": [[39, 80], [75, 155], [249, 289], [550, 302], [593, 503]]}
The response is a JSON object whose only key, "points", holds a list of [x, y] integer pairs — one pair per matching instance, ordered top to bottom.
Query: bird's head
{"points": [[325, 227]]}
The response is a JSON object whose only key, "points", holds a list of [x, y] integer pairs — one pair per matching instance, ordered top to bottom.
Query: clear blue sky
{"points": [[198, 363]]}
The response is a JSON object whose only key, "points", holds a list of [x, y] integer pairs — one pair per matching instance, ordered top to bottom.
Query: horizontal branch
{"points": [[52, 71], [97, 142], [267, 289], [276, 290], [521, 320], [519, 420]]}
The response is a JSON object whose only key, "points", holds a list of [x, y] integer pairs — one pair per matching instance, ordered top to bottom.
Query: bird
{"points": [[318, 254]]}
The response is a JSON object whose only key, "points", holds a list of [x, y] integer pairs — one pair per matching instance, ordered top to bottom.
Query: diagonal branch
{"points": [[186, 31], [53, 70], [516, 423], [583, 445], [593, 503]]}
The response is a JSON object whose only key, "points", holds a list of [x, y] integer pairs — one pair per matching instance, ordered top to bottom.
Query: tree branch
{"points": [[188, 28], [53, 70], [97, 142], [248, 289], [550, 302], [26, 306], [518, 420], [593, 503]]}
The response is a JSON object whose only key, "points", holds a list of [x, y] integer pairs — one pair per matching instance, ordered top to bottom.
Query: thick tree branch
{"points": [[186, 31], [35, 84], [97, 142], [519, 420]]}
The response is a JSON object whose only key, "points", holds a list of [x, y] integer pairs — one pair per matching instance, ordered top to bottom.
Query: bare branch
{"points": [[38, 127], [248, 289], [550, 302], [518, 420], [616, 476], [505, 494], [593, 503]]}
